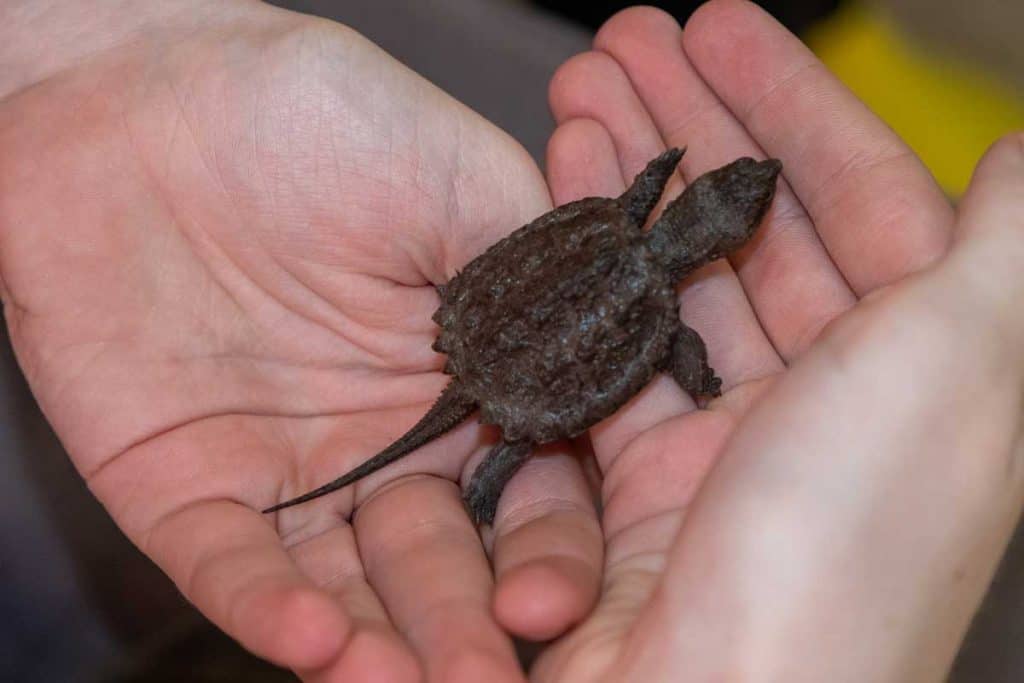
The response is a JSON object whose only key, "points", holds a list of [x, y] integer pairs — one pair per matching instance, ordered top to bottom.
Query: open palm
{"points": [[858, 212], [217, 249]]}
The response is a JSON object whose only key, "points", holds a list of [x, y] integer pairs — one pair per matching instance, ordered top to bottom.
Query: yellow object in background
{"points": [[947, 109]]}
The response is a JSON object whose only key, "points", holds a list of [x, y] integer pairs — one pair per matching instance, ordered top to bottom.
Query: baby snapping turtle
{"points": [[555, 327]]}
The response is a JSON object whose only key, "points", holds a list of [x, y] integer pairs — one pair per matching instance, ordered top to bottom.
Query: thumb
{"points": [[993, 207], [987, 260], [986, 265]]}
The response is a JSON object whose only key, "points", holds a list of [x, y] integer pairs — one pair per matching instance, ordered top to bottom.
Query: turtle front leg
{"points": [[643, 195], [688, 363], [491, 476]]}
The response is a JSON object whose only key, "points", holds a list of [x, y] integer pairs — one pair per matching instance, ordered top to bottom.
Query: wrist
{"points": [[40, 38]]}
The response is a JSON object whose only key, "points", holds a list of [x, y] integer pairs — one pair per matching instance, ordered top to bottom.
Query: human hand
{"points": [[218, 229], [866, 475]]}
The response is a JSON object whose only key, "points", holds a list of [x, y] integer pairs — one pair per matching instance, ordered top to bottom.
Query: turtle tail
{"points": [[451, 408]]}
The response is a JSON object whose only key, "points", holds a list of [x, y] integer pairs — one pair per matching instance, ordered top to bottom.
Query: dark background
{"points": [[795, 15], [79, 603]]}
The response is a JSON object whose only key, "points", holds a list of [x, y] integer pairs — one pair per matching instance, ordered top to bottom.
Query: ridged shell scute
{"points": [[557, 325]]}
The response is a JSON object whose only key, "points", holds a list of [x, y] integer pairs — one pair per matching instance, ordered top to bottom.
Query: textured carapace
{"points": [[555, 327]]}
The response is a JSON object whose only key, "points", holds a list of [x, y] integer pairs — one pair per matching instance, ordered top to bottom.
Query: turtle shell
{"points": [[556, 326]]}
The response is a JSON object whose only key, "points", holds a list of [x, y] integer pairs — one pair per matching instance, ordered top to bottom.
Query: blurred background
{"points": [[79, 603]]}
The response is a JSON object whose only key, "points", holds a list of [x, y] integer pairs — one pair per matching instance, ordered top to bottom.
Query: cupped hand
{"points": [[218, 236], [864, 462]]}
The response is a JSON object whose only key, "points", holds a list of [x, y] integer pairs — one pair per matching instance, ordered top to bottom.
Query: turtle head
{"points": [[716, 214]]}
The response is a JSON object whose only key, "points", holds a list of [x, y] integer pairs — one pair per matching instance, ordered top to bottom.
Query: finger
{"points": [[593, 86], [578, 90], [581, 162], [877, 209], [786, 272], [648, 491], [193, 510], [547, 547], [424, 558], [330, 559], [228, 561], [370, 656]]}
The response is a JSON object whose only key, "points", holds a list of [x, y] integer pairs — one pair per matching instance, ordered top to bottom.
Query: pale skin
{"points": [[201, 221], [219, 227]]}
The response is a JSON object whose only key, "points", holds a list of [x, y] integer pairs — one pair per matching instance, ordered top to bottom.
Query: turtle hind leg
{"points": [[648, 186], [688, 363], [491, 476]]}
